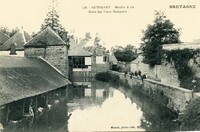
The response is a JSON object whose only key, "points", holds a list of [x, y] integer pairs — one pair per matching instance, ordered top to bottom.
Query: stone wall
{"points": [[191, 45], [34, 52], [55, 55], [152, 72], [165, 72], [168, 74], [173, 97]]}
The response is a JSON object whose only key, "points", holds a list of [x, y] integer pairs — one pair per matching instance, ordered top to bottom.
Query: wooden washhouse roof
{"points": [[20, 38], [46, 38], [22, 77]]}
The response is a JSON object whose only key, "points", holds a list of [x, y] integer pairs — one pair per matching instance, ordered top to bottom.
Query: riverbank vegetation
{"points": [[103, 76], [107, 77], [191, 117]]}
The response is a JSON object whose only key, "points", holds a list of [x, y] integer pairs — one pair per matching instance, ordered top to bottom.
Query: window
{"points": [[105, 59], [77, 62]]}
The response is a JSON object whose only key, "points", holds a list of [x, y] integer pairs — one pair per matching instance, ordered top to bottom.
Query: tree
{"points": [[52, 21], [4, 30], [13, 31], [8, 32], [161, 32], [126, 54]]}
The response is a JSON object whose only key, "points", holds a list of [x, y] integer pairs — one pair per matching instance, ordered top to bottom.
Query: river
{"points": [[103, 107], [106, 108]]}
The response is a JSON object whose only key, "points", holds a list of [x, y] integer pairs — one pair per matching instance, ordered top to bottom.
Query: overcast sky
{"points": [[113, 28]]}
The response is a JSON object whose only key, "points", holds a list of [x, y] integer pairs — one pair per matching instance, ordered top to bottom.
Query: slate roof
{"points": [[3, 38], [20, 38], [46, 38], [77, 50], [97, 50], [113, 59], [138, 59], [22, 77]]}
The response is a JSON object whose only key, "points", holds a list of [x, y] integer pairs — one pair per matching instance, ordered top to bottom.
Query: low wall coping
{"points": [[159, 83], [170, 86]]}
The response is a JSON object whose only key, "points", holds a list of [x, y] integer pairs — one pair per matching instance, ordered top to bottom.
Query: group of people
{"points": [[137, 74]]}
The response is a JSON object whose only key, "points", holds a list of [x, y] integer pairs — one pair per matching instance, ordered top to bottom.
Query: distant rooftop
{"points": [[3, 38], [20, 38], [77, 50], [112, 59]]}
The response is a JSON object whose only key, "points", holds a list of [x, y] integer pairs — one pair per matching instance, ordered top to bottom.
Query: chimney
{"points": [[13, 49]]}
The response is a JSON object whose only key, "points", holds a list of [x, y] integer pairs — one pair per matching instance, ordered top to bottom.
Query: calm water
{"points": [[102, 107], [105, 108]]}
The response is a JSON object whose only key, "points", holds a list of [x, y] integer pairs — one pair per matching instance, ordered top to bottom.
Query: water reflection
{"points": [[104, 108], [155, 116], [53, 120]]}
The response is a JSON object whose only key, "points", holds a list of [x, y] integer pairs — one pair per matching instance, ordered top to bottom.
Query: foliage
{"points": [[52, 21], [8, 32], [161, 32], [126, 54], [181, 59], [103, 76], [107, 77], [115, 79], [191, 117]]}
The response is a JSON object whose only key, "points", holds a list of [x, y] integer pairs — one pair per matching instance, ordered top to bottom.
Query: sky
{"points": [[113, 28]]}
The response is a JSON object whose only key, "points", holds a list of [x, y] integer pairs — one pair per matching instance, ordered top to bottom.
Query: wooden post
{"points": [[60, 92], [53, 95], [47, 99], [36, 103], [23, 105], [36, 109], [7, 113], [47, 117]]}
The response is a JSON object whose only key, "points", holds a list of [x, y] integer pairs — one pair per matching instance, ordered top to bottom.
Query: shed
{"points": [[22, 77]]}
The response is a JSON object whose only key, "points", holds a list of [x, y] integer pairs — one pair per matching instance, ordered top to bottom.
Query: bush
{"points": [[103, 76], [191, 117]]}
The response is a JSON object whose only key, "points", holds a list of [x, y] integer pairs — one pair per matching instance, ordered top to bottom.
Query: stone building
{"points": [[51, 47], [100, 59], [80, 64]]}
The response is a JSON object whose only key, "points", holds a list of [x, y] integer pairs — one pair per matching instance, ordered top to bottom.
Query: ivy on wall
{"points": [[180, 58]]}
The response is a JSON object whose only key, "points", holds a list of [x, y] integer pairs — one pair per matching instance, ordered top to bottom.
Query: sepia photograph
{"points": [[99, 65]]}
